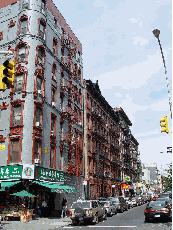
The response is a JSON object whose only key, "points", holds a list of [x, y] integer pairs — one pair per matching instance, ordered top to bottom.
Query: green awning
{"points": [[9, 183], [54, 186], [2, 189], [23, 193]]}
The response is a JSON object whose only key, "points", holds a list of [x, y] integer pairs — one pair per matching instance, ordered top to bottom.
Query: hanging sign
{"points": [[28, 171], [48, 174], [125, 186]]}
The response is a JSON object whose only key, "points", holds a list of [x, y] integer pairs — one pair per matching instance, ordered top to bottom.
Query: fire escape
{"points": [[68, 140]]}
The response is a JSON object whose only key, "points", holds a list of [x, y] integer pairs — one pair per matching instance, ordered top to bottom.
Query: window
{"points": [[25, 4], [43, 6], [55, 23], [24, 26], [41, 29], [55, 47], [21, 54], [40, 55], [54, 72], [39, 83], [18, 85], [53, 96], [17, 113], [38, 116], [53, 125], [37, 148], [14, 150], [52, 156]]}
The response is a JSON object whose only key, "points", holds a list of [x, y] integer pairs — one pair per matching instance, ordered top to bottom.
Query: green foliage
{"points": [[167, 180]]}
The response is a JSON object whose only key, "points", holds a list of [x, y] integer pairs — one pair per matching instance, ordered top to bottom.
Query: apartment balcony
{"points": [[66, 110], [98, 116], [104, 154]]}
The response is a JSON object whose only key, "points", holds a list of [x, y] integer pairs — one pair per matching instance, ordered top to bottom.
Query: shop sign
{"points": [[2, 147], [45, 150], [28, 171], [10, 172], [48, 174], [127, 178], [125, 186]]}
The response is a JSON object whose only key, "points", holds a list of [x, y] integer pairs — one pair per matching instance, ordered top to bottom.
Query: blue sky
{"points": [[121, 52]]}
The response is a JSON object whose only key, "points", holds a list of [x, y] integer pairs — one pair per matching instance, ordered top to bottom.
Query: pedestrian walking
{"points": [[64, 207], [44, 208]]}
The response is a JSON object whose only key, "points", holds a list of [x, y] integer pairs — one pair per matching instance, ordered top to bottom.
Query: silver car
{"points": [[110, 207]]}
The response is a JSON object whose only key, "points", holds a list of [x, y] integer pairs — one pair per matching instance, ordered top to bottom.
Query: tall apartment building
{"points": [[41, 117], [110, 149], [101, 150]]}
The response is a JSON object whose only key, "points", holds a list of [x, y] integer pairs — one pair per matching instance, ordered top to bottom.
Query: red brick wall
{"points": [[4, 3], [56, 13]]}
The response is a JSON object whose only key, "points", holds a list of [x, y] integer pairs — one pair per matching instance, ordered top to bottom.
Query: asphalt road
{"points": [[131, 219]]}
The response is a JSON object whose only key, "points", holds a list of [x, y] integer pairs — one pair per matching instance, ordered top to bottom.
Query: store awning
{"points": [[9, 183], [56, 187], [23, 193]]}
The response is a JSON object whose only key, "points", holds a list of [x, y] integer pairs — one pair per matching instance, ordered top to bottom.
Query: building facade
{"points": [[42, 116], [110, 149]]}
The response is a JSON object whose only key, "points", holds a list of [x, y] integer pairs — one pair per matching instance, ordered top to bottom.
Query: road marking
{"points": [[111, 226], [67, 227]]}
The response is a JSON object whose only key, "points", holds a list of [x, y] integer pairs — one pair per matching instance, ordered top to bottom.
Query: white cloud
{"points": [[133, 20], [140, 40], [131, 77], [118, 95], [138, 135]]}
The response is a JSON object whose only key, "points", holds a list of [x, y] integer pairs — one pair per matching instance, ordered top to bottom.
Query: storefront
{"points": [[43, 183]]}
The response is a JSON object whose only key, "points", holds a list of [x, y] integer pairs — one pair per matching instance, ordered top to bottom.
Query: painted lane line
{"points": [[112, 226]]}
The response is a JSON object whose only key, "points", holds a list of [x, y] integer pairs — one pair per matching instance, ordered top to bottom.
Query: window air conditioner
{"points": [[54, 77], [39, 91], [53, 103], [37, 124], [36, 161]]}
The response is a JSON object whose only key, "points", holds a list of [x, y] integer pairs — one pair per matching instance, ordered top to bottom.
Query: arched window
{"points": [[23, 25], [42, 28], [55, 47], [21, 53], [41, 54], [54, 72]]}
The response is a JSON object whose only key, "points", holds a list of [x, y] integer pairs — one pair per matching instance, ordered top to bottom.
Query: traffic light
{"points": [[8, 73], [2, 84], [164, 123]]}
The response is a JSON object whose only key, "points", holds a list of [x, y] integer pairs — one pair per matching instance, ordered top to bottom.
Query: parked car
{"points": [[164, 195], [145, 198], [139, 199], [134, 201], [167, 201], [128, 202], [122, 206], [110, 207], [157, 209], [87, 210]]}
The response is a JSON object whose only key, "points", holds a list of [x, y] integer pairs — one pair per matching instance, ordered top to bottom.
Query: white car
{"points": [[128, 202], [134, 202]]}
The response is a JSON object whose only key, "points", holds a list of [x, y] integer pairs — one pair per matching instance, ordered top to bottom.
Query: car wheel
{"points": [[126, 208], [122, 210], [116, 211], [105, 216], [96, 219], [146, 219], [74, 222]]}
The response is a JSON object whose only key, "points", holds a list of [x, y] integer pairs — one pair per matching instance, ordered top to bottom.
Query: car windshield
{"points": [[105, 203], [83, 204], [156, 204]]}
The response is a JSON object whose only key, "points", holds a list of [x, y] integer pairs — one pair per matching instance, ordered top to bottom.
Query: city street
{"points": [[131, 219]]}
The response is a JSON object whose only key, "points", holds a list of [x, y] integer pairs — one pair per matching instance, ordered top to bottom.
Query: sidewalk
{"points": [[40, 223]]}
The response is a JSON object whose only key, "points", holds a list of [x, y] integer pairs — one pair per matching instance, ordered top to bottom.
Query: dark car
{"points": [[122, 206], [156, 210]]}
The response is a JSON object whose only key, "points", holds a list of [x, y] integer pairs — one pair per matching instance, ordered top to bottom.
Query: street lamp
{"points": [[156, 33]]}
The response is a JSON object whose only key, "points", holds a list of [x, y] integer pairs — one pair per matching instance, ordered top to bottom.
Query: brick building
{"points": [[41, 117], [110, 149]]}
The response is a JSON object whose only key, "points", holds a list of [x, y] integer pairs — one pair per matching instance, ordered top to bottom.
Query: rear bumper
{"points": [[155, 215]]}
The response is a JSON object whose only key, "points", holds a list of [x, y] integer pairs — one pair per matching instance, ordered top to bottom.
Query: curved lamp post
{"points": [[156, 33]]}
